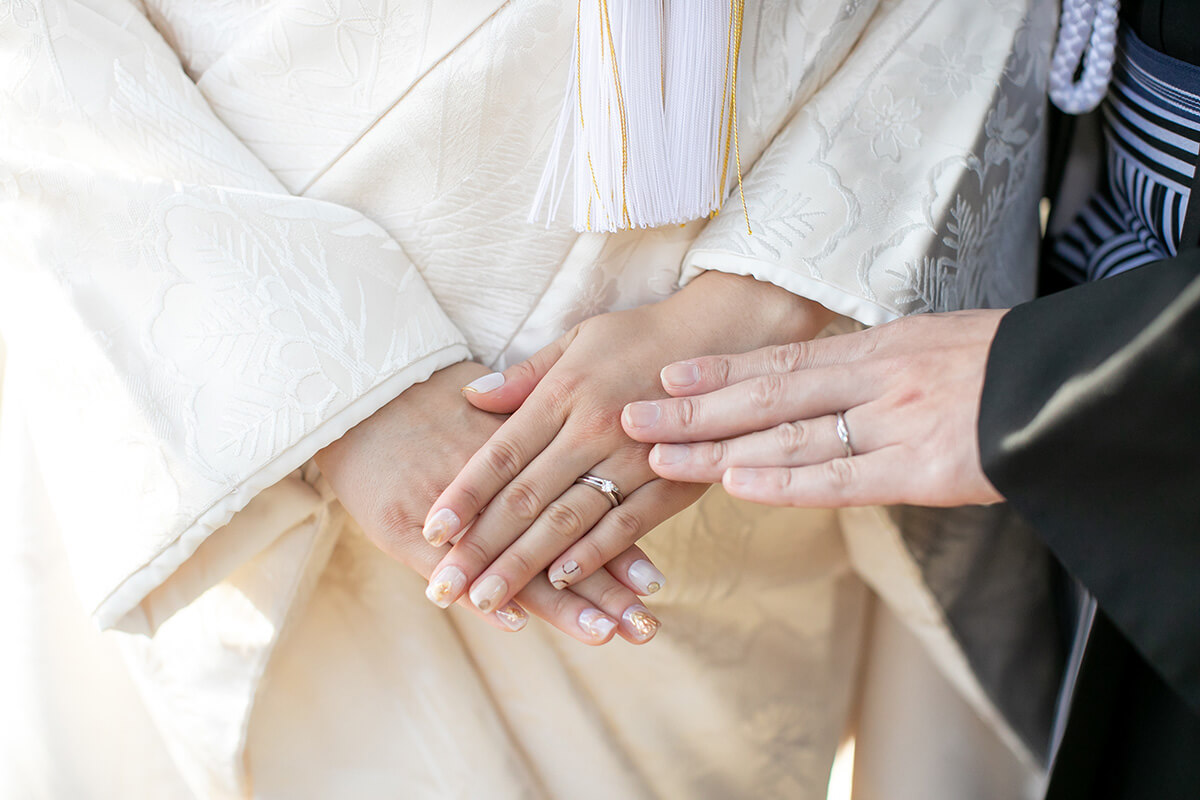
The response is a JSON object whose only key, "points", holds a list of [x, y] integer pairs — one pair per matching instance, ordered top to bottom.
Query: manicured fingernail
{"points": [[680, 375], [488, 383], [642, 414], [669, 453], [441, 527], [562, 575], [645, 577], [445, 587], [487, 592], [513, 616], [638, 622], [596, 623]]}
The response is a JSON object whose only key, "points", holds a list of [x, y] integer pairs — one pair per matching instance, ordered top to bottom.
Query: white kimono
{"points": [[230, 231]]}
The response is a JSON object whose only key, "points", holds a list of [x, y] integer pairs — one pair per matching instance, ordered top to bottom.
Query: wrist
{"points": [[738, 313]]}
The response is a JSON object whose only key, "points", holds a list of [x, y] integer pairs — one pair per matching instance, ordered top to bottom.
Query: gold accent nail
{"points": [[441, 527], [645, 577], [445, 586], [486, 593], [513, 616], [640, 623]]}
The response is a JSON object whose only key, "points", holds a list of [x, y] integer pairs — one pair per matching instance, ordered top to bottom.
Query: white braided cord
{"points": [[1091, 26]]}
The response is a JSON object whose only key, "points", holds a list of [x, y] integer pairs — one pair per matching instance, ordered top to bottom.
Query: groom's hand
{"points": [[766, 423]]}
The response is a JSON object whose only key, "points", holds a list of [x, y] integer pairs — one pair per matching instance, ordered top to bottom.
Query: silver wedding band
{"points": [[843, 433], [604, 486]]}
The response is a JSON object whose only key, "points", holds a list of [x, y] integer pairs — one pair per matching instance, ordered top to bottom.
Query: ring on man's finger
{"points": [[843, 433]]}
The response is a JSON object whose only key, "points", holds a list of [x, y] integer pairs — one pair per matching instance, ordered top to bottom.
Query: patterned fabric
{"points": [[1152, 135], [232, 229]]}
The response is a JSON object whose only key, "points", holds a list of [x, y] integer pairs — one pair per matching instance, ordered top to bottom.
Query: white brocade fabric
{"points": [[232, 230]]}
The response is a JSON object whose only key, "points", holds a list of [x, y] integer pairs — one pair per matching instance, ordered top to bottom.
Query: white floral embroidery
{"points": [[888, 123]]}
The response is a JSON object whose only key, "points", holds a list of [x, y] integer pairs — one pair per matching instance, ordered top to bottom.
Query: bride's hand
{"points": [[766, 422], [388, 469], [519, 490]]}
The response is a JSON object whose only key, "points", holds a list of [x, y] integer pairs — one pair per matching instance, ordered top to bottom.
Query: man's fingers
{"points": [[701, 375], [504, 392], [753, 405], [789, 444], [877, 478]]}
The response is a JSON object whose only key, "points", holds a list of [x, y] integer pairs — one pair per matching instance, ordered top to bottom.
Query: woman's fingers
{"points": [[701, 375], [504, 392], [752, 405], [789, 444], [491, 474], [880, 477], [619, 529], [515, 539], [635, 569], [622, 609]]}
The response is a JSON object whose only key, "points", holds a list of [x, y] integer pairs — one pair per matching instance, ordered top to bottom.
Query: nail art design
{"points": [[488, 383], [441, 527], [561, 576], [645, 577], [445, 587], [485, 594], [513, 616], [639, 623], [596, 624]]}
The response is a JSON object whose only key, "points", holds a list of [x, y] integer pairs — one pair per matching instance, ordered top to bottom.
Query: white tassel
{"points": [[651, 114]]}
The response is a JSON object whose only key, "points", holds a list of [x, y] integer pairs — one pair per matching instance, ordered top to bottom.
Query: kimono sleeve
{"points": [[909, 179], [190, 333]]}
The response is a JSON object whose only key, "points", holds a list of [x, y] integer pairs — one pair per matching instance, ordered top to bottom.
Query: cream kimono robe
{"points": [[230, 231]]}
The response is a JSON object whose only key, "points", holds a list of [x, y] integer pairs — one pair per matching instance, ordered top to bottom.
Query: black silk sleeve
{"points": [[1090, 426]]}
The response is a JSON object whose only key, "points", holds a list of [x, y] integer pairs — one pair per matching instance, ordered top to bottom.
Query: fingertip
{"points": [[680, 377], [485, 384], [597, 627]]}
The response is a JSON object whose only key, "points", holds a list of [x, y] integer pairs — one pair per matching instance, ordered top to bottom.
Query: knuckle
{"points": [[787, 358], [722, 368], [524, 371], [559, 391], [764, 391], [685, 411], [593, 424], [791, 437], [717, 453], [503, 459], [840, 472], [520, 501], [563, 520], [397, 521], [624, 524], [471, 552], [589, 555], [519, 564], [613, 595], [560, 607]]}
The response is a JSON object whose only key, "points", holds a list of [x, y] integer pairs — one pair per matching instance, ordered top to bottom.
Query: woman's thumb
{"points": [[504, 392]]}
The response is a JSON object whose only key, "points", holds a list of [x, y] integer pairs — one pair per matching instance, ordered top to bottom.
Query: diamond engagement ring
{"points": [[843, 433], [604, 486]]}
